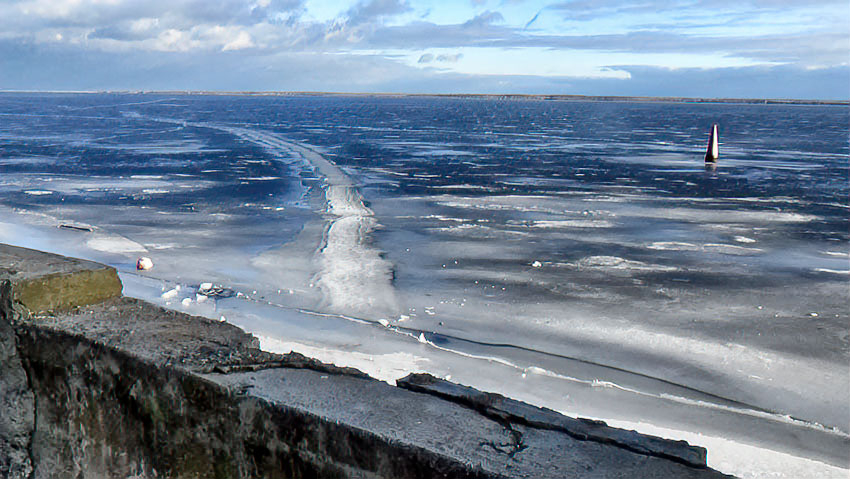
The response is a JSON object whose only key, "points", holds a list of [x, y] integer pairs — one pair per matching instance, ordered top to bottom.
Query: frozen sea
{"points": [[574, 255]]}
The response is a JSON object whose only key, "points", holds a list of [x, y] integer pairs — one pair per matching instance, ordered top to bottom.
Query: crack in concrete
{"points": [[506, 411], [512, 447]]}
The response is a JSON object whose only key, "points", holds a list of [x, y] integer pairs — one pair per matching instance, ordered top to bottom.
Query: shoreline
{"points": [[480, 96]]}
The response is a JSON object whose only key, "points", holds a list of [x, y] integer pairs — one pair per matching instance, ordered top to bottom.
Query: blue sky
{"points": [[705, 48]]}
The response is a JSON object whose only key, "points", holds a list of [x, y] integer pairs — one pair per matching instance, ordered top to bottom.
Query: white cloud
{"points": [[143, 24], [172, 40], [242, 40], [450, 58]]}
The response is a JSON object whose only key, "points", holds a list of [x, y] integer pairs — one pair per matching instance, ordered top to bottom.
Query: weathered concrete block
{"points": [[45, 282]]}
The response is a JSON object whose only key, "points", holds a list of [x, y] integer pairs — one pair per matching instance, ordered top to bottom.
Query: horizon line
{"points": [[529, 96]]}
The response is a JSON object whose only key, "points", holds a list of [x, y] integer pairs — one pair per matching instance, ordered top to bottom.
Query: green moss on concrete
{"points": [[65, 291]]}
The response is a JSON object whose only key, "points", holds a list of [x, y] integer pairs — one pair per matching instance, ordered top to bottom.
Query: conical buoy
{"points": [[713, 150]]}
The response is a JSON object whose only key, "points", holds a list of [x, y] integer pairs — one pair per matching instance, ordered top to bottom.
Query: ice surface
{"points": [[114, 244], [583, 261], [352, 274]]}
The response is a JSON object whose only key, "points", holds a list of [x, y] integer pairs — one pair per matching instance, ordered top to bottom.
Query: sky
{"points": [[693, 48]]}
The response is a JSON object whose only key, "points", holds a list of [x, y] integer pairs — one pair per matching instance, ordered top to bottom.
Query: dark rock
{"points": [[85, 229], [217, 292], [16, 399]]}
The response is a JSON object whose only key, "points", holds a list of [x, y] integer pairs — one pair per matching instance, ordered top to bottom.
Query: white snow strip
{"points": [[572, 224], [744, 239], [115, 244], [674, 246], [721, 248], [730, 249], [617, 263], [833, 271], [353, 276], [384, 367], [743, 460]]}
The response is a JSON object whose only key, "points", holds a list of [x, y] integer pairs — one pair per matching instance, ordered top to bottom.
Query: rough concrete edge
{"points": [[256, 360], [292, 360], [500, 408]]}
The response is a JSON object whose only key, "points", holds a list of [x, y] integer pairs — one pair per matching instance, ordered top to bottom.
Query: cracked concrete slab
{"points": [[510, 411], [449, 429]]}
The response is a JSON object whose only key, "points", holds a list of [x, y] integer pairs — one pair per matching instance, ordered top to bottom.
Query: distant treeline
{"points": [[487, 96]]}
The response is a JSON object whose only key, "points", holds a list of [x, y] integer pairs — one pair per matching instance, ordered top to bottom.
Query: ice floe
{"points": [[115, 244], [617, 263]]}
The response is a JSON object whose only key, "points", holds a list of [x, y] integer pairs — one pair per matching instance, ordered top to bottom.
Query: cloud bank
{"points": [[708, 48]]}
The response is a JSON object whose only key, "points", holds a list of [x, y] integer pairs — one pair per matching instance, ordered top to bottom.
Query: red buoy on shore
{"points": [[144, 263]]}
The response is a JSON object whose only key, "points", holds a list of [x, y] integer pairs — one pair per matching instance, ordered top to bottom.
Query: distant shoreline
{"points": [[481, 96]]}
